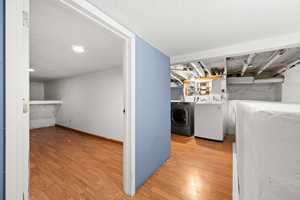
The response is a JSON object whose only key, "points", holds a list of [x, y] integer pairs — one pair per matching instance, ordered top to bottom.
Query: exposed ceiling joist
{"points": [[250, 58], [272, 59], [247, 64], [267, 64], [292, 64], [205, 67], [244, 69], [199, 70], [282, 70], [180, 74], [193, 74], [176, 78]]}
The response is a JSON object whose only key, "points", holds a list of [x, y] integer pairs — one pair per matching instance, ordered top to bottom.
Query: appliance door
{"points": [[180, 117], [209, 121]]}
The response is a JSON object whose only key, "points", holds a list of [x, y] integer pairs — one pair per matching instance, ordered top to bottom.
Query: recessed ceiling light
{"points": [[78, 49], [31, 70]]}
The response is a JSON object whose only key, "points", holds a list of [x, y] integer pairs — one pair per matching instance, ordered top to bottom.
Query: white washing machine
{"points": [[209, 121]]}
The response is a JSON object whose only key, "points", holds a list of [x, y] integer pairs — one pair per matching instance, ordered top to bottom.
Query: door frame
{"points": [[16, 147]]}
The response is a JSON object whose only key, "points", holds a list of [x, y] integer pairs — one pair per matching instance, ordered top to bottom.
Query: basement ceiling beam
{"points": [[250, 58], [272, 59], [247, 64], [292, 64], [205, 67], [244, 69], [199, 70], [282, 70], [194, 75], [181, 76], [176, 78]]}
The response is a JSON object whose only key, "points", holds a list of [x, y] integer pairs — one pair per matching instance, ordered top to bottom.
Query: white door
{"points": [[24, 92], [17, 99]]}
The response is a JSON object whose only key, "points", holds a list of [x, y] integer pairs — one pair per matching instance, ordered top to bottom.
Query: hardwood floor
{"points": [[67, 165]]}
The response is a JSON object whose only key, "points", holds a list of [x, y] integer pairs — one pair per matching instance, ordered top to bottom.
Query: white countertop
{"points": [[178, 101], [45, 102], [201, 103]]}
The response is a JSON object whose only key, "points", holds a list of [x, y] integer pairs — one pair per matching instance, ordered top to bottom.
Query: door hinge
{"points": [[25, 16], [25, 106]]}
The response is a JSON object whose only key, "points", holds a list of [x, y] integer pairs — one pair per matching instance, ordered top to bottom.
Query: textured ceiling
{"points": [[185, 26], [54, 29]]}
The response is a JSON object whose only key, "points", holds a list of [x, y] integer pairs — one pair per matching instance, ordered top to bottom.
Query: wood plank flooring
{"points": [[67, 165]]}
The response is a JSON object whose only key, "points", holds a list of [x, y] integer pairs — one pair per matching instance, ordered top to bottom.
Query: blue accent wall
{"points": [[2, 114], [153, 121]]}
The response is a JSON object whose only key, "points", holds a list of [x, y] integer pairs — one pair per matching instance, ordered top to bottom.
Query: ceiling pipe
{"points": [[273, 58], [247, 64], [205, 67], [244, 69], [282, 70], [199, 71], [177, 79]]}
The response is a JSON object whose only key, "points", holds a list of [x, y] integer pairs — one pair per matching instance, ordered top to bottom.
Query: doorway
{"points": [[20, 97]]}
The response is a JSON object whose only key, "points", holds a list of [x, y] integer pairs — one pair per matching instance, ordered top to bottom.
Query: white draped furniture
{"points": [[268, 150]]}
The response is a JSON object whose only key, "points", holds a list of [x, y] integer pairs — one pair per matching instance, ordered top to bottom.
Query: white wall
{"points": [[291, 86], [36, 90], [260, 92], [177, 93], [92, 103]]}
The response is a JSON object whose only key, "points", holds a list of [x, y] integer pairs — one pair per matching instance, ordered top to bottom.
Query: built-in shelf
{"points": [[45, 102]]}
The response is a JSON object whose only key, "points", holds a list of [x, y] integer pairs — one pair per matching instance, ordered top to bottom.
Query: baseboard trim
{"points": [[34, 129], [90, 134], [213, 140], [235, 184]]}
